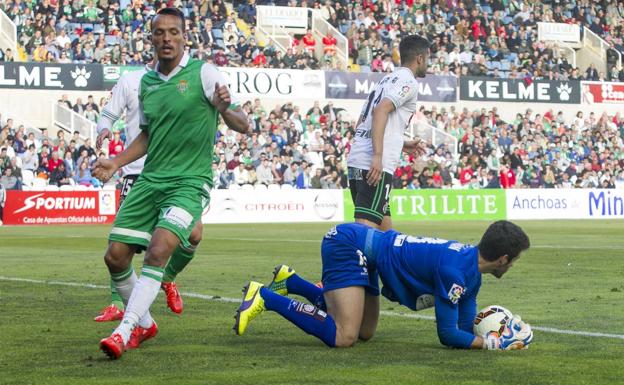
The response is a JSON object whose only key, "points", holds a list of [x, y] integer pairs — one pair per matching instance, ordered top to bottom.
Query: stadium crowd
{"points": [[480, 37], [308, 149]]}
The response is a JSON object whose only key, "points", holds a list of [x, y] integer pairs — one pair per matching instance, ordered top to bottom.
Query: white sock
{"points": [[124, 288], [144, 293]]}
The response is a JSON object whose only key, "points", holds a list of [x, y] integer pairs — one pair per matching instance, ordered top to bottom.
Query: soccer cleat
{"points": [[280, 275], [174, 299], [252, 306], [109, 313], [140, 335], [112, 346]]}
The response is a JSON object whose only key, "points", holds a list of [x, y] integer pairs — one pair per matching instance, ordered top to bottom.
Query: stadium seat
{"points": [[110, 40], [505, 65], [27, 177], [39, 184], [234, 186], [287, 186], [51, 187], [66, 187], [80, 187], [109, 187], [246, 187], [260, 187], [273, 187], [26, 188]]}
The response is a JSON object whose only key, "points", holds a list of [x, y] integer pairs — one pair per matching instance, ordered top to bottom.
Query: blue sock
{"points": [[299, 286], [308, 318]]}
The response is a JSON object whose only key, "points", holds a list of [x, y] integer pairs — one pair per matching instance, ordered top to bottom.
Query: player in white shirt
{"points": [[125, 97], [379, 141]]}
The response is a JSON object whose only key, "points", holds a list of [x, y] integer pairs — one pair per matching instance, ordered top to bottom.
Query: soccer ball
{"points": [[493, 318]]}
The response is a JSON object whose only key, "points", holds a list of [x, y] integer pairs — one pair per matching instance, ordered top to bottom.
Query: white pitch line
{"points": [[237, 300]]}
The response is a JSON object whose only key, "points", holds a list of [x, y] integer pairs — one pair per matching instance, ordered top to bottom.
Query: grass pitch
{"points": [[572, 280]]}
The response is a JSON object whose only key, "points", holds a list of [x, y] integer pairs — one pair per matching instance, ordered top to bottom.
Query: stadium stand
{"points": [[482, 37]]}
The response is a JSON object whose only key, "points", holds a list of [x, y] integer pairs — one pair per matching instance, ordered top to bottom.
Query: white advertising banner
{"points": [[294, 17], [559, 32], [275, 83], [565, 204], [253, 206]]}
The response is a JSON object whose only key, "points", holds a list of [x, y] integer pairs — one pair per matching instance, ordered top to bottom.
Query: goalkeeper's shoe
{"points": [[280, 275], [174, 299], [252, 306], [109, 313], [140, 335], [113, 346]]}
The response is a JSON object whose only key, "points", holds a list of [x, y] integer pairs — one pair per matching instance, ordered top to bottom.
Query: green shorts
{"points": [[175, 206]]}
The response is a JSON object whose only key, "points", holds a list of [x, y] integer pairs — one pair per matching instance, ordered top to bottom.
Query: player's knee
{"points": [[196, 235], [157, 255], [117, 256], [366, 335], [346, 339]]}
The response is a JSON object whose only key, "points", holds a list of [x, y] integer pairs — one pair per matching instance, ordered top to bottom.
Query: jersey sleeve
{"points": [[210, 76], [400, 92], [115, 107], [143, 121], [450, 285], [467, 312], [447, 318]]}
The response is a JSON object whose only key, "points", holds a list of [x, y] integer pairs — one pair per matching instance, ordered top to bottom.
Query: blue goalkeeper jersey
{"points": [[421, 272]]}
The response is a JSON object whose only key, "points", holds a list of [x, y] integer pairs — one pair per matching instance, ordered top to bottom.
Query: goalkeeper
{"points": [[416, 272]]}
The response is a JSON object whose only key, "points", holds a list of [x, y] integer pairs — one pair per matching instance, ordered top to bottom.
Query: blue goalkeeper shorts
{"points": [[344, 263]]}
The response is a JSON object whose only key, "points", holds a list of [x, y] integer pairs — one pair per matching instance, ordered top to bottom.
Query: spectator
{"points": [[264, 172], [59, 176]]}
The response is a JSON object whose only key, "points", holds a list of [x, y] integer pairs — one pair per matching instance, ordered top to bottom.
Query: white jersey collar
{"points": [[183, 63]]}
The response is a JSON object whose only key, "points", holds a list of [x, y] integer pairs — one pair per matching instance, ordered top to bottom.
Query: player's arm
{"points": [[217, 92], [111, 113], [232, 114], [380, 118], [417, 147], [104, 169], [447, 326]]}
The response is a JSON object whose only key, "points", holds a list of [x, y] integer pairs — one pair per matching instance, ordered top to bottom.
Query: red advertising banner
{"points": [[603, 93], [60, 207]]}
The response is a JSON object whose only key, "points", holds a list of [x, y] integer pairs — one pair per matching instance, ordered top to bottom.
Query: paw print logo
{"points": [[80, 76], [564, 91]]}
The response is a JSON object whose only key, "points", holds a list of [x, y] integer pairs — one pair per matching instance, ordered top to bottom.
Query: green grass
{"points": [[573, 279]]}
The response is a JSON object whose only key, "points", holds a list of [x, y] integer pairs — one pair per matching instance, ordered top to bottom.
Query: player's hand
{"points": [[221, 98], [105, 134], [416, 147], [104, 169], [374, 173], [517, 335]]}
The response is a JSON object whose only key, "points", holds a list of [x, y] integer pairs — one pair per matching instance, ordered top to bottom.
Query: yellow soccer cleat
{"points": [[280, 275], [252, 306]]}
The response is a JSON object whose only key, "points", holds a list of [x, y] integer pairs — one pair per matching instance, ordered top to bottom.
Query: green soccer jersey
{"points": [[180, 121]]}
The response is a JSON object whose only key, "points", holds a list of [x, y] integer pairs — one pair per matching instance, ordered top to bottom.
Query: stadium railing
{"points": [[320, 27], [8, 33], [71, 121], [421, 129]]}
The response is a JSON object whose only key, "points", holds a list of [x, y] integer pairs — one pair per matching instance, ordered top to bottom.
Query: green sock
{"points": [[178, 261], [115, 297]]}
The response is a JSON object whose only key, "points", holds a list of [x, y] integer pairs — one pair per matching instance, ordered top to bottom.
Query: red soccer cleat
{"points": [[174, 299], [109, 313], [139, 335], [112, 346]]}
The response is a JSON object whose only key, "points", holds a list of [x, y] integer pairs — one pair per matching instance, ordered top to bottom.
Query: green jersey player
{"points": [[181, 101]]}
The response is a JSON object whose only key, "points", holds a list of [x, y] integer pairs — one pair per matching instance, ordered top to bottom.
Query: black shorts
{"points": [[126, 186], [371, 202]]}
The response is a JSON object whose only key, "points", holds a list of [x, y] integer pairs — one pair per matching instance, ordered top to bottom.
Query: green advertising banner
{"points": [[112, 73], [441, 204]]}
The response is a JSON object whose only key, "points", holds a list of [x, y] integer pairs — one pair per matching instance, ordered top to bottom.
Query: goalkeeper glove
{"points": [[517, 335]]}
